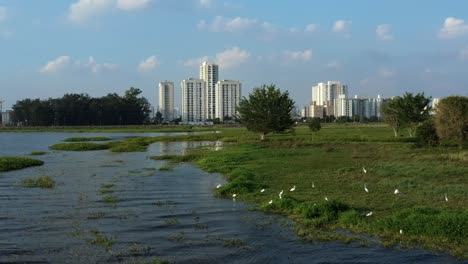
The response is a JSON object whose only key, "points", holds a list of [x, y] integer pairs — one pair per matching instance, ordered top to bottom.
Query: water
{"points": [[169, 214]]}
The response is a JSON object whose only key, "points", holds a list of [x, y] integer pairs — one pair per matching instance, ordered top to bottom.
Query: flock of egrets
{"points": [[280, 195]]}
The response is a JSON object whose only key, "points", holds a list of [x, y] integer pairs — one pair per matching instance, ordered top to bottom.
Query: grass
{"points": [[86, 139], [79, 146], [37, 153], [331, 160], [17, 163], [165, 168], [40, 182], [110, 199], [100, 239], [234, 243]]}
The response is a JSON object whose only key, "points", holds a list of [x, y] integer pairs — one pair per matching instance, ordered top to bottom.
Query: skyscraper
{"points": [[209, 74], [328, 92], [228, 94], [166, 100], [193, 100]]}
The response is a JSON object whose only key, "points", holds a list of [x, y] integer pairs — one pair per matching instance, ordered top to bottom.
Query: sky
{"points": [[49, 47]]}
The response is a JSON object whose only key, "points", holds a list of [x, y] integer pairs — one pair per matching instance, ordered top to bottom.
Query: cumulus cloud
{"points": [[83, 10], [3, 13], [237, 24], [341, 26], [311, 28], [452, 28], [384, 32], [463, 54], [304, 55], [230, 58], [66, 62], [149, 64], [56, 65]]}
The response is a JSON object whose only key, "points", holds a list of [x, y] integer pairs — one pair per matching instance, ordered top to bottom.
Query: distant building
{"points": [[209, 74], [326, 93], [228, 95], [166, 100], [193, 100], [343, 106], [305, 111], [316, 111], [7, 118]]}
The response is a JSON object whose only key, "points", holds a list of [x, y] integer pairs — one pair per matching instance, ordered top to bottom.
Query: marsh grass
{"points": [[86, 139], [79, 146], [37, 153], [17, 163], [165, 168], [40, 182], [110, 199], [100, 239], [234, 243]]}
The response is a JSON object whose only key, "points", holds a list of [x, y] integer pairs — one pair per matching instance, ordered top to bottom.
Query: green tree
{"points": [[266, 110], [391, 113], [158, 119], [451, 119], [314, 124]]}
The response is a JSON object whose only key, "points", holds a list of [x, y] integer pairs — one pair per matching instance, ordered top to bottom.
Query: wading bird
{"points": [[364, 170], [313, 185], [218, 186], [293, 188], [365, 188], [262, 190], [396, 191], [280, 194], [234, 196], [446, 198], [326, 199], [270, 202], [369, 213], [401, 231]]}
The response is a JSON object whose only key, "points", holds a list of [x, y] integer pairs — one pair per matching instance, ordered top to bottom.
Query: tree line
{"points": [[83, 110]]}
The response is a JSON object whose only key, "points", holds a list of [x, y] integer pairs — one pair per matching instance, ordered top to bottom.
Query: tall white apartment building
{"points": [[209, 74], [328, 92], [228, 95], [166, 100], [193, 100], [343, 106]]}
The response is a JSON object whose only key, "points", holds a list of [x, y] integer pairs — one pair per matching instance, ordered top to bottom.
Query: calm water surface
{"points": [[146, 212]]}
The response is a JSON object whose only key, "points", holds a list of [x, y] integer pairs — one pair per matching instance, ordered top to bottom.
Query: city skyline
{"points": [[105, 46]]}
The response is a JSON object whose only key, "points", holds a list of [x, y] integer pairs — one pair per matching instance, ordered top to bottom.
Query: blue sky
{"points": [[49, 47]]}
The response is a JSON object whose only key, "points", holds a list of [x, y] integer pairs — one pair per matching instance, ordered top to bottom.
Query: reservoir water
{"points": [[119, 208]]}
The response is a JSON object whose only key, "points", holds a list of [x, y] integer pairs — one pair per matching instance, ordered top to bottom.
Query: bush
{"points": [[451, 119], [314, 124], [426, 134], [16, 163]]}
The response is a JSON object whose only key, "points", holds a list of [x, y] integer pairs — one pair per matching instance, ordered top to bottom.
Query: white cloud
{"points": [[129, 5], [85, 9], [3, 13], [238, 24], [341, 26], [453, 27], [311, 28], [384, 32], [463, 53], [304, 55], [230, 58], [149, 64], [56, 65], [334, 65], [96, 67], [386, 73]]}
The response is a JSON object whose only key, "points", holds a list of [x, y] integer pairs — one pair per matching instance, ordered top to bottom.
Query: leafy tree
{"points": [[266, 110], [392, 114], [158, 119], [451, 119], [314, 124], [426, 134]]}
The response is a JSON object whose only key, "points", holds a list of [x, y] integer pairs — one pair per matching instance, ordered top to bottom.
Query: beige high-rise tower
{"points": [[209, 73], [166, 100], [193, 100]]}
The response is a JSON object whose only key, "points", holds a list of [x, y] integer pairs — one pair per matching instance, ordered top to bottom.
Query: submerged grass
{"points": [[86, 139], [79, 146], [37, 153], [17, 163], [40, 182]]}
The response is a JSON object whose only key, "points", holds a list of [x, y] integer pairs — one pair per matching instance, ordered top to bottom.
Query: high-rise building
{"points": [[209, 74], [328, 92], [228, 95], [166, 100], [193, 100], [343, 106], [315, 111]]}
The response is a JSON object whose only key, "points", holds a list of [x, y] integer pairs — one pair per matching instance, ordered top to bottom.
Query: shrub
{"points": [[451, 119], [314, 124], [426, 134], [16, 163]]}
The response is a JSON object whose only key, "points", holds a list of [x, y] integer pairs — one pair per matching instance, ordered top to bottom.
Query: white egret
{"points": [[425, 107], [364, 170], [313, 185], [218, 186], [293, 188], [365, 188], [262, 190], [396, 191], [280, 194], [234, 195], [446, 198], [326, 199], [270, 202], [369, 213], [401, 231]]}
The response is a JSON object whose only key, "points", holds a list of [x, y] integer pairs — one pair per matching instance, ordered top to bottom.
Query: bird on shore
{"points": [[364, 170], [218, 186], [293, 188], [365, 188], [262, 190], [396, 191], [280, 194], [234, 197], [446, 198], [326, 199], [270, 202], [369, 213], [401, 231]]}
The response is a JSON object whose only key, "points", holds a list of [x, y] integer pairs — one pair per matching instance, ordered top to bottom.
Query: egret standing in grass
{"points": [[364, 170], [313, 185], [218, 186], [293, 188], [365, 188], [262, 190], [396, 191], [280, 194], [234, 197], [446, 198], [326, 199], [270, 202], [369, 213], [401, 231]]}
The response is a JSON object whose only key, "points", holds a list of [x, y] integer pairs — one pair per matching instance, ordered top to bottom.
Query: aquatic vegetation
{"points": [[86, 139], [79, 146], [37, 153], [17, 163], [165, 168], [40, 182], [107, 186], [110, 199], [171, 221], [100, 239], [234, 243]]}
